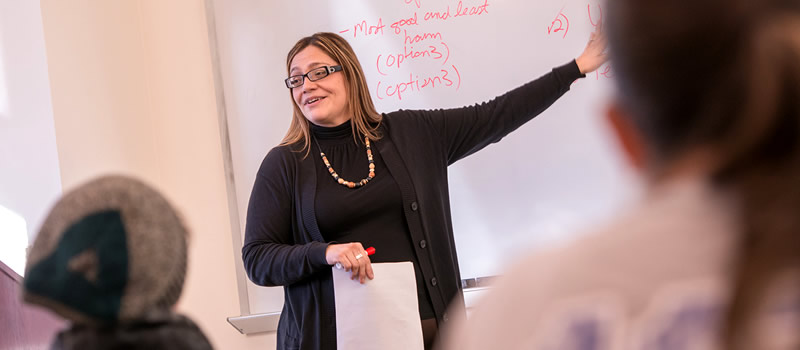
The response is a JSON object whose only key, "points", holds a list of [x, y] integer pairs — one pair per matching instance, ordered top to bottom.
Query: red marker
{"points": [[370, 251]]}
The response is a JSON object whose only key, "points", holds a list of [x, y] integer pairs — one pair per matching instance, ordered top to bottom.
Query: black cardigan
{"points": [[284, 247]]}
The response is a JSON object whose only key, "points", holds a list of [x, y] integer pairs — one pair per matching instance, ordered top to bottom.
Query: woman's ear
{"points": [[627, 135]]}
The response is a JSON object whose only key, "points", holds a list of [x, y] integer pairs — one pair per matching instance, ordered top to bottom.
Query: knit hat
{"points": [[111, 250]]}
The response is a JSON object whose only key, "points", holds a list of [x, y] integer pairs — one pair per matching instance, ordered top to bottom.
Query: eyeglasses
{"points": [[313, 75]]}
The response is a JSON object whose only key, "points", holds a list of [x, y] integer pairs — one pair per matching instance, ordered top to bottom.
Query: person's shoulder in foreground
{"points": [[111, 258], [657, 275], [594, 284]]}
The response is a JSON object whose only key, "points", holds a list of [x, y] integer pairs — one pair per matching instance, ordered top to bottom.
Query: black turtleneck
{"points": [[372, 214]]}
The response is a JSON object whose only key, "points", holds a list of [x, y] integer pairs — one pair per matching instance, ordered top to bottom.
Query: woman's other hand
{"points": [[594, 55], [352, 257]]}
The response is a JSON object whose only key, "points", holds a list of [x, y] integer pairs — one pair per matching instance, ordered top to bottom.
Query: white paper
{"points": [[382, 313]]}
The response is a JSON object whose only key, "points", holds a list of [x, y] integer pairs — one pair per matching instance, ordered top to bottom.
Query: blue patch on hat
{"points": [[99, 297]]}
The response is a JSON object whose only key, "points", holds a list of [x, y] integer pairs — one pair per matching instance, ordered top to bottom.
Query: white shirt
{"points": [[655, 278]]}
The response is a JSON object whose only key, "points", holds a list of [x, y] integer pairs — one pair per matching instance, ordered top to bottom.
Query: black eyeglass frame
{"points": [[328, 70]]}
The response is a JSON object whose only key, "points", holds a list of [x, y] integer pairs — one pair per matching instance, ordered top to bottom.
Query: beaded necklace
{"points": [[342, 181]]}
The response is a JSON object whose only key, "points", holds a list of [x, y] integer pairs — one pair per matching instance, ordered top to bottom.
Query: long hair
{"points": [[723, 76], [365, 119]]}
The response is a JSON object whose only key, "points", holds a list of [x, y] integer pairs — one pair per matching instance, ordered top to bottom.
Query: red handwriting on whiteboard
{"points": [[416, 2], [461, 11], [471, 11], [444, 15], [600, 17], [404, 22], [560, 24], [365, 29], [420, 37], [421, 46], [435, 51], [604, 72], [445, 78]]}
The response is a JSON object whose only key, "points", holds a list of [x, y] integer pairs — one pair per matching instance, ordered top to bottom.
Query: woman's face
{"points": [[323, 102]]}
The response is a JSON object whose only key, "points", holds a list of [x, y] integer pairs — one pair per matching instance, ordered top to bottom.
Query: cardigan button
{"points": [[414, 206], [423, 244], [434, 282], [445, 318]]}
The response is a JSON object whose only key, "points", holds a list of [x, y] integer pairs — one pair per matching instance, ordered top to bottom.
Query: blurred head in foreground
{"points": [[713, 88], [111, 258]]}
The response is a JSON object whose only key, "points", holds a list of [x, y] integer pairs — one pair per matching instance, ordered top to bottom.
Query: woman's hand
{"points": [[594, 55], [353, 258]]}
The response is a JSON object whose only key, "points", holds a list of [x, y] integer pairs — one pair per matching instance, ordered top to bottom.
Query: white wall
{"points": [[133, 93], [29, 179]]}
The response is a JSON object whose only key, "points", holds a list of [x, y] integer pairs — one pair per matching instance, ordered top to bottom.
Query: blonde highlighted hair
{"points": [[365, 118]]}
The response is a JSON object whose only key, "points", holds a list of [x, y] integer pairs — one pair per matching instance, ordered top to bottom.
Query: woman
{"points": [[708, 111], [345, 178]]}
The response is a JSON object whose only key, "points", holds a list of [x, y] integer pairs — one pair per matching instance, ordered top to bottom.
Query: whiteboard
{"points": [[554, 175]]}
